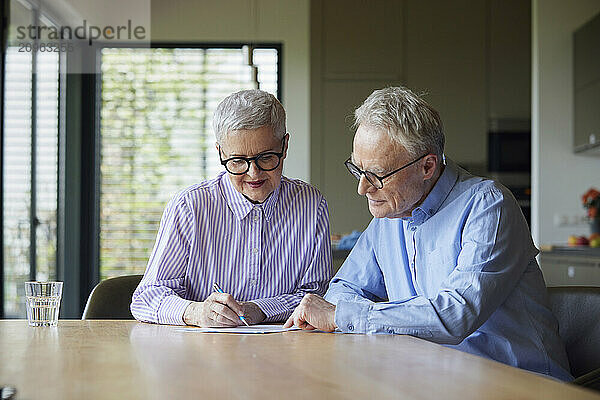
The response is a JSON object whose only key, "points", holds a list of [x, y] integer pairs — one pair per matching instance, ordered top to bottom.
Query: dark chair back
{"points": [[111, 298], [577, 309]]}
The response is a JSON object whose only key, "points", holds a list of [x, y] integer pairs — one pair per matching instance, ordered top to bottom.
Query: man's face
{"points": [[256, 185], [402, 192]]}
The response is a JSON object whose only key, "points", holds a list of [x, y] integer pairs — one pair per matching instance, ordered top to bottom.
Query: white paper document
{"points": [[252, 329]]}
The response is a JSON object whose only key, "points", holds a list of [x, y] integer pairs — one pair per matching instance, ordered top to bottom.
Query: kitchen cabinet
{"points": [[586, 78], [571, 266]]}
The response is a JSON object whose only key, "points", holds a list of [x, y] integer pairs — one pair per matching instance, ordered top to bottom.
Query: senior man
{"points": [[262, 237], [448, 256]]}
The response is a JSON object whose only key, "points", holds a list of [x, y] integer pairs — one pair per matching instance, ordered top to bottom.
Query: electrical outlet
{"points": [[562, 220]]}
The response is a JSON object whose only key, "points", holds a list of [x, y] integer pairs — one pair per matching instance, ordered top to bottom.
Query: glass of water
{"points": [[43, 302]]}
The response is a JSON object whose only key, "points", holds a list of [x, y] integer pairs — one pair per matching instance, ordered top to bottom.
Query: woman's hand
{"points": [[218, 310], [252, 313]]}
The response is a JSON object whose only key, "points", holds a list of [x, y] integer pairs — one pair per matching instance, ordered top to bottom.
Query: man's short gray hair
{"points": [[249, 109], [406, 117]]}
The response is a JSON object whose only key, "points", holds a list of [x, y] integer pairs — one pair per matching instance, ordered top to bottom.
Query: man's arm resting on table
{"points": [[494, 253], [359, 280]]}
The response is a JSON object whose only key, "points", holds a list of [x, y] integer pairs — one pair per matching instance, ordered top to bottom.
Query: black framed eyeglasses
{"points": [[267, 161], [375, 180]]}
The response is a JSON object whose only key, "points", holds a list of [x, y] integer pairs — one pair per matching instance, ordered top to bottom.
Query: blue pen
{"points": [[217, 288]]}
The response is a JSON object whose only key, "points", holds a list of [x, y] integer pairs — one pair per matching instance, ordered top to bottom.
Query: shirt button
{"points": [[256, 218], [255, 250], [252, 282], [350, 327]]}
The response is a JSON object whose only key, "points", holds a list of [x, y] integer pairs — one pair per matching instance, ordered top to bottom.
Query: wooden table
{"points": [[132, 360]]}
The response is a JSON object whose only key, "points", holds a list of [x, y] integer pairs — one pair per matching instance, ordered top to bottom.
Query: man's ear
{"points": [[286, 140], [429, 166]]}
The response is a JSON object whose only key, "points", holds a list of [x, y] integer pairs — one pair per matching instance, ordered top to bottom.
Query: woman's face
{"points": [[256, 185]]}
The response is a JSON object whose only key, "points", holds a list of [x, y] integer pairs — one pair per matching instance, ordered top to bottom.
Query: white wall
{"points": [[252, 20], [559, 177]]}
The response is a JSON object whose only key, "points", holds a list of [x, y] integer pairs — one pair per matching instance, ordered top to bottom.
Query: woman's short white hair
{"points": [[248, 109], [407, 119]]}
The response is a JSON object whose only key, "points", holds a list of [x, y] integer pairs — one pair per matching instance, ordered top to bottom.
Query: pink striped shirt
{"points": [[271, 253]]}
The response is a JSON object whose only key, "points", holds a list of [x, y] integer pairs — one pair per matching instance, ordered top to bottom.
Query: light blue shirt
{"points": [[461, 272]]}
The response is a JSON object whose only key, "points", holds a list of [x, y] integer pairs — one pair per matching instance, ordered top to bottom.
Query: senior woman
{"points": [[262, 237]]}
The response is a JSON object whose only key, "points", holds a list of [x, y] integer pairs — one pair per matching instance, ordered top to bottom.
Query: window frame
{"points": [[4, 13], [37, 16]]}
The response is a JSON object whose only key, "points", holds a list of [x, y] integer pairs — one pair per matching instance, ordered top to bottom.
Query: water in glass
{"points": [[43, 302]]}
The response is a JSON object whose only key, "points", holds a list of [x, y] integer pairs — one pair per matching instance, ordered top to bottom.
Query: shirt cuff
{"points": [[171, 310], [274, 310], [351, 316]]}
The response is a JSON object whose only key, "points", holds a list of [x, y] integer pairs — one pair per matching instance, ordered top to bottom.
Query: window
{"points": [[156, 107], [30, 157]]}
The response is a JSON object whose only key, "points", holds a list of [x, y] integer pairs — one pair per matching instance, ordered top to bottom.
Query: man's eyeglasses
{"points": [[267, 161], [375, 180]]}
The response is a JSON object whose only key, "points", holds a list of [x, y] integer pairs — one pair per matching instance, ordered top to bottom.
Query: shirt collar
{"points": [[438, 193], [241, 206]]}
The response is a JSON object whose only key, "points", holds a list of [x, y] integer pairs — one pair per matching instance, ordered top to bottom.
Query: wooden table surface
{"points": [[132, 360]]}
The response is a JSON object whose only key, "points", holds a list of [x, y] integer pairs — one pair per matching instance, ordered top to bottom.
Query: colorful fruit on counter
{"points": [[593, 240], [578, 241]]}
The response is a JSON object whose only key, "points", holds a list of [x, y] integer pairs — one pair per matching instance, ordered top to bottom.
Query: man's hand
{"points": [[219, 309], [313, 312], [252, 313]]}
